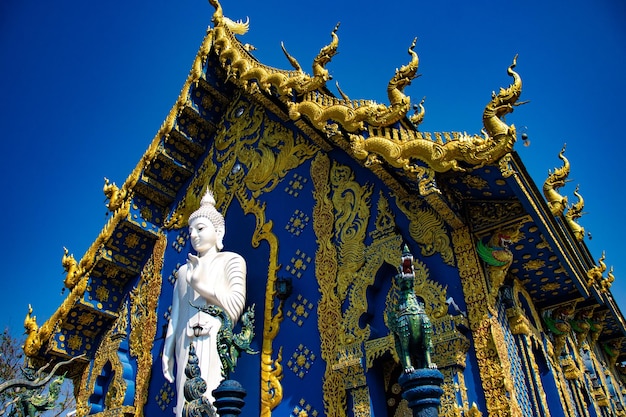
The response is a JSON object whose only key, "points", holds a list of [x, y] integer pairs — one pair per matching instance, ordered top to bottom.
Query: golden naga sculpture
{"points": [[252, 75], [352, 115], [474, 150], [113, 194], [556, 202], [575, 211], [72, 269], [594, 275], [606, 283], [31, 330]]}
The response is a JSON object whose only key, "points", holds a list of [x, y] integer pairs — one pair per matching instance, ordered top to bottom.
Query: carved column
{"points": [[493, 361]]}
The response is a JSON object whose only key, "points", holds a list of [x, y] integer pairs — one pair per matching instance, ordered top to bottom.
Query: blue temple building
{"points": [[320, 195]]}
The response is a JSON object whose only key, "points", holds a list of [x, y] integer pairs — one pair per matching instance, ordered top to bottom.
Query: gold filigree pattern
{"points": [[351, 204], [484, 215], [427, 228], [326, 268], [143, 321], [376, 348], [491, 353], [106, 355], [361, 402]]}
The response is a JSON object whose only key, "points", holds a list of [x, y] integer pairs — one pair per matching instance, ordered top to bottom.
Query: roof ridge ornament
{"points": [[502, 104], [353, 115], [498, 140], [557, 179], [575, 211], [594, 274]]}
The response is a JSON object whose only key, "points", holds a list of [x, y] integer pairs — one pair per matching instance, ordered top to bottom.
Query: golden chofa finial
{"points": [[302, 83], [502, 104], [557, 179], [575, 211]]}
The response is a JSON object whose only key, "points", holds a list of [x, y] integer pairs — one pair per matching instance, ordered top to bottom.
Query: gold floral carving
{"points": [[351, 204], [484, 215], [427, 228], [326, 268], [143, 321], [376, 348], [107, 353], [491, 353], [361, 402], [449, 406]]}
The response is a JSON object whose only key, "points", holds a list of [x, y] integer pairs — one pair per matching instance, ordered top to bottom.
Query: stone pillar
{"points": [[422, 389], [229, 398]]}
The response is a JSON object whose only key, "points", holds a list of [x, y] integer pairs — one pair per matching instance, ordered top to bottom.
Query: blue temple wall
{"points": [[287, 206]]}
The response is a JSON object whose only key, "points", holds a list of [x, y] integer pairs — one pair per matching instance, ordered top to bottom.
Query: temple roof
{"points": [[466, 177]]}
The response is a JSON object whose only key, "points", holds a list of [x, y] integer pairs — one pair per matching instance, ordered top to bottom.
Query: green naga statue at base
{"points": [[408, 321]]}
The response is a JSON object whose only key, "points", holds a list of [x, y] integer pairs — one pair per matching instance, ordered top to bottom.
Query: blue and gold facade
{"points": [[323, 192]]}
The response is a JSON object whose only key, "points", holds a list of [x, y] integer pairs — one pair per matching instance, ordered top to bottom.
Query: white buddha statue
{"points": [[210, 277]]}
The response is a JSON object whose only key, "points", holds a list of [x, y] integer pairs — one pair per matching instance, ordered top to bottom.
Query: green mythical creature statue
{"points": [[408, 321], [229, 344], [29, 398], [34, 404]]}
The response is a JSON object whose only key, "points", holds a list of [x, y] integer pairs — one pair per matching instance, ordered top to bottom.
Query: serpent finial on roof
{"points": [[303, 83], [502, 104], [557, 179], [575, 211]]}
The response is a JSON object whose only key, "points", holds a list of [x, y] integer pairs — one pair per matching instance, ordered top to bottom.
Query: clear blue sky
{"points": [[86, 85]]}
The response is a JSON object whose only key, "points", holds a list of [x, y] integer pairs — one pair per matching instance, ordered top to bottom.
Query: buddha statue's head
{"points": [[207, 211]]}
